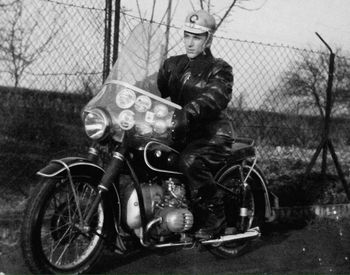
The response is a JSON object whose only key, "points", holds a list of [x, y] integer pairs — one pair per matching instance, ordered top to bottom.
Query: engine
{"points": [[167, 203], [174, 209]]}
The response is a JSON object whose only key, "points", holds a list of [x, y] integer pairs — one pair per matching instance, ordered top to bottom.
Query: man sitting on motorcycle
{"points": [[202, 85]]}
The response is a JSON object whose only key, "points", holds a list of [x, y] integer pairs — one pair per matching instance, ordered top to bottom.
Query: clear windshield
{"points": [[130, 95]]}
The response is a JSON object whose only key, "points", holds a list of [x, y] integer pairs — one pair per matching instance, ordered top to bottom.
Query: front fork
{"points": [[111, 174]]}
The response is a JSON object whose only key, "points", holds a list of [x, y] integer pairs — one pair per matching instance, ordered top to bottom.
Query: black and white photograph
{"points": [[174, 137]]}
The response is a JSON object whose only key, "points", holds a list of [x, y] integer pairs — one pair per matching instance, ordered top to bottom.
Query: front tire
{"points": [[231, 179], [52, 240]]}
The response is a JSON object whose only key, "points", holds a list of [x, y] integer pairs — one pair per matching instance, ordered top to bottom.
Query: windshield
{"points": [[130, 95]]}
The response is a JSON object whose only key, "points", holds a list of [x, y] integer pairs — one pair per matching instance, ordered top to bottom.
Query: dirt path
{"points": [[321, 248]]}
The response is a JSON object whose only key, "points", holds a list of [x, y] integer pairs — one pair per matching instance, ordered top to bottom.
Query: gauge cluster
{"points": [[121, 107]]}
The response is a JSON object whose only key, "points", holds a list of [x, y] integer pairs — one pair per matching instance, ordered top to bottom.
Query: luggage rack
{"points": [[243, 148]]}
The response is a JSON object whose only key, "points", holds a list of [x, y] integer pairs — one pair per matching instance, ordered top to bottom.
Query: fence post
{"points": [[116, 31], [167, 32], [107, 39], [329, 104], [326, 141]]}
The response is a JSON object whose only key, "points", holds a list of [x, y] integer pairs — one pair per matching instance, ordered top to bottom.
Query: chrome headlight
{"points": [[96, 123]]}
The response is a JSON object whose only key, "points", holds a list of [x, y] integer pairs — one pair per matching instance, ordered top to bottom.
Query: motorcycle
{"points": [[128, 193]]}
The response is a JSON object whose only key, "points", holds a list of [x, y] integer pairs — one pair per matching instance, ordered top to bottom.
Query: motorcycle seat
{"points": [[242, 150]]}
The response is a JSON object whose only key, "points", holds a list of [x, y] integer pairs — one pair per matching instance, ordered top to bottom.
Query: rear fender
{"points": [[76, 165], [262, 185], [270, 198]]}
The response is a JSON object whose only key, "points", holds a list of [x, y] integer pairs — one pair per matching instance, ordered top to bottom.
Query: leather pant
{"points": [[200, 160]]}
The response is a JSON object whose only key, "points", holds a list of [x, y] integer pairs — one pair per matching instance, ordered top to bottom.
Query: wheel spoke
{"points": [[87, 193], [57, 229], [63, 236], [71, 238]]}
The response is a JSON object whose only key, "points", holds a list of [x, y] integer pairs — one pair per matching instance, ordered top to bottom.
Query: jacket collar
{"points": [[201, 62]]}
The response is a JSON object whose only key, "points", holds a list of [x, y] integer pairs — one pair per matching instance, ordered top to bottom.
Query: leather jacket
{"points": [[203, 87]]}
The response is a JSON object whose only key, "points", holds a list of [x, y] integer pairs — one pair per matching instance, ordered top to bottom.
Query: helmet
{"points": [[200, 22]]}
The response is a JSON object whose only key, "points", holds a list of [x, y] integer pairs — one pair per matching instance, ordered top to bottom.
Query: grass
{"points": [[285, 169]]}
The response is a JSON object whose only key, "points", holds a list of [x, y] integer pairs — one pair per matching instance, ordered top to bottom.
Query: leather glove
{"points": [[180, 125]]}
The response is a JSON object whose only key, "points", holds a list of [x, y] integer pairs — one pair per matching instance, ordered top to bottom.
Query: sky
{"points": [[285, 22]]}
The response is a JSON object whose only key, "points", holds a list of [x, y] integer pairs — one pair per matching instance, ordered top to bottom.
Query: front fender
{"points": [[76, 165], [83, 167]]}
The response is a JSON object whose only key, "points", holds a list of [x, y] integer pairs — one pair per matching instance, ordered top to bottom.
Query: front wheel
{"points": [[231, 181], [53, 238]]}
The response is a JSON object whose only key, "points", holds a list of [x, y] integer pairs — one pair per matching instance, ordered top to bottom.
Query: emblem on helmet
{"points": [[194, 18]]}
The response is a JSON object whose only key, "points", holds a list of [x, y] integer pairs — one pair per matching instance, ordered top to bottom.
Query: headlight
{"points": [[96, 122]]}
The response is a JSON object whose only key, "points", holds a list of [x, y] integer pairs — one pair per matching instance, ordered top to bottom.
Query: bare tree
{"points": [[209, 5], [223, 14], [151, 33], [17, 50], [304, 84]]}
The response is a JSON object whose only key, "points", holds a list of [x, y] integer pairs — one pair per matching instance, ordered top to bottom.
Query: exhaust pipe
{"points": [[250, 234], [144, 235]]}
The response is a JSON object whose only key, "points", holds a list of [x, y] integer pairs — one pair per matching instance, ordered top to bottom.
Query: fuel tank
{"points": [[156, 157]]}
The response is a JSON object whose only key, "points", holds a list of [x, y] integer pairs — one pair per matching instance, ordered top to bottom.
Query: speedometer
{"points": [[125, 98]]}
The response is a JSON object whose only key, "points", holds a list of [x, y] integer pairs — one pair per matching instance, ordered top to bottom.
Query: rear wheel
{"points": [[231, 180], [54, 239]]}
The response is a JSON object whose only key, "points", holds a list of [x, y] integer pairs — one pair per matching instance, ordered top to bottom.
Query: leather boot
{"points": [[215, 222]]}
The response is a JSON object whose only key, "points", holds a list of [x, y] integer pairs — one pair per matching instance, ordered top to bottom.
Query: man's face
{"points": [[194, 43]]}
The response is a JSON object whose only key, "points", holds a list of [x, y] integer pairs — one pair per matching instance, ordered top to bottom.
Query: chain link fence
{"points": [[52, 45], [52, 62]]}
